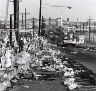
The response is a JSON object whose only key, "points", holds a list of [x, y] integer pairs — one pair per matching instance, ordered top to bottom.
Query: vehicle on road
{"points": [[66, 44]]}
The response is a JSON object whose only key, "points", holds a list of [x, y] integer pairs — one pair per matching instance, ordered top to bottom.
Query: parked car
{"points": [[65, 44]]}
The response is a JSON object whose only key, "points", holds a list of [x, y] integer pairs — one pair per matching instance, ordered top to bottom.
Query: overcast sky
{"points": [[81, 9]]}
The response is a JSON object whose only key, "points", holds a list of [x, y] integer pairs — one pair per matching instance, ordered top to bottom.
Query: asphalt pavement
{"points": [[85, 57], [40, 85]]}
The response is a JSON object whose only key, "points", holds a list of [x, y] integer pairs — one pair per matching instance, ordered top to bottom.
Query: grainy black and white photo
{"points": [[47, 45]]}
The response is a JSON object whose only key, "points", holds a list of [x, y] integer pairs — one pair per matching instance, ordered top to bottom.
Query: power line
{"points": [[23, 5], [3, 11], [36, 13], [3, 17], [25, 17]]}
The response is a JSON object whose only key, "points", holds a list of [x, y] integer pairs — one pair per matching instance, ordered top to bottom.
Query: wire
{"points": [[23, 6], [27, 10], [3, 11], [35, 13], [3, 17]]}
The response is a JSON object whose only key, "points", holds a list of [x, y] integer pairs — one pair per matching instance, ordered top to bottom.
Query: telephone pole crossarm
{"points": [[25, 17]]}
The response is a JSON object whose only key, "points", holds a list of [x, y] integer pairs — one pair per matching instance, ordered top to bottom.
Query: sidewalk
{"points": [[8, 75], [6, 82]]}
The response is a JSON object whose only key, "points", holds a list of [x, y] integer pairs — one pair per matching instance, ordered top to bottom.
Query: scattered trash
{"points": [[49, 63], [26, 86]]}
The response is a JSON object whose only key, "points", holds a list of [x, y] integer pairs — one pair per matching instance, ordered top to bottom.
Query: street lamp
{"points": [[58, 6], [69, 7], [39, 32]]}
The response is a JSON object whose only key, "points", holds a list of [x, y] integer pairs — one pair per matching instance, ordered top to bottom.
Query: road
{"points": [[84, 56]]}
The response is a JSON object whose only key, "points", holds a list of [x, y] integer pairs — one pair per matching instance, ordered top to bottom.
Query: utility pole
{"points": [[25, 16], [16, 18], [61, 19], [22, 20], [49, 22], [77, 24], [33, 25], [86, 25], [94, 25], [43, 27], [77, 27], [89, 27], [80, 28], [83, 28], [11, 29], [39, 32]]}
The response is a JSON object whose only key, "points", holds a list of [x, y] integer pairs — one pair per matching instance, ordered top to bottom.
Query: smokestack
{"points": [[67, 19]]}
